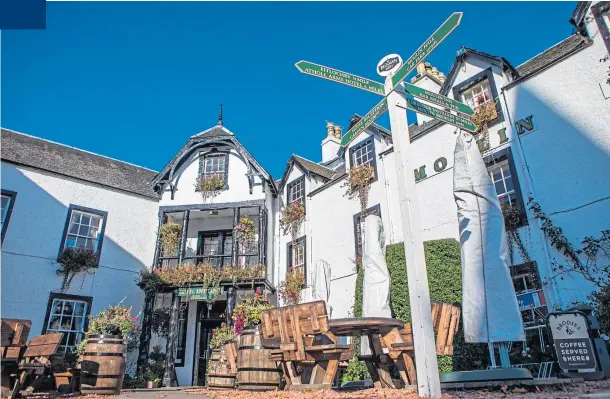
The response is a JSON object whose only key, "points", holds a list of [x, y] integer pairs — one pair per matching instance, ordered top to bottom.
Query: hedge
{"points": [[445, 281]]}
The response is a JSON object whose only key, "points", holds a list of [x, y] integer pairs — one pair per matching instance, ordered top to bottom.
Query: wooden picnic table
{"points": [[386, 344]]}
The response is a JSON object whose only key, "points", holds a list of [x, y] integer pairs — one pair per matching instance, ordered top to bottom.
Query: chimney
{"points": [[332, 143]]}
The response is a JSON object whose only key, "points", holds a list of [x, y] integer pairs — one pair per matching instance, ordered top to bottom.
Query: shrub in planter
{"points": [[73, 261], [221, 336], [155, 368]]}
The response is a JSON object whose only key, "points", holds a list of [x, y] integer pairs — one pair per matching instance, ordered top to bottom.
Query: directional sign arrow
{"points": [[437, 37], [349, 79], [441, 100], [414, 105], [366, 121]]}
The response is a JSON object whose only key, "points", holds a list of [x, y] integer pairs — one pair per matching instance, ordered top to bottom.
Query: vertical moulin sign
{"points": [[392, 68]]}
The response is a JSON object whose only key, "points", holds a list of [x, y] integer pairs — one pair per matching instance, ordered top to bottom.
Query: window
{"points": [[478, 95], [364, 153], [214, 164], [501, 169], [503, 182], [296, 190], [8, 199], [374, 210], [84, 229], [215, 247], [296, 258], [530, 295], [67, 314], [183, 315]]}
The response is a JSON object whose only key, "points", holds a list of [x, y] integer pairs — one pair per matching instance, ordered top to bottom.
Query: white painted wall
{"points": [[34, 234]]}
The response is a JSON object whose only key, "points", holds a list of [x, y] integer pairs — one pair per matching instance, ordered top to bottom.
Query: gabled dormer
{"points": [[213, 152]]}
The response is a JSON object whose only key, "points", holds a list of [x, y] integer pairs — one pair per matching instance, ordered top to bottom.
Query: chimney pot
{"points": [[421, 68], [330, 129], [338, 132]]}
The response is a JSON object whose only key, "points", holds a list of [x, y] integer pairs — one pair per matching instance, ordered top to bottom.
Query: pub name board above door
{"points": [[197, 293], [571, 339]]}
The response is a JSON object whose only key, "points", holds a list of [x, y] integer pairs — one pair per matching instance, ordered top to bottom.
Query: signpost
{"points": [[422, 52], [391, 67], [309, 68], [434, 98], [440, 114], [366, 121]]}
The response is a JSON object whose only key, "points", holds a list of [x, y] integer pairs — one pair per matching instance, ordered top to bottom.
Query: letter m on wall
{"points": [[525, 124], [420, 173]]}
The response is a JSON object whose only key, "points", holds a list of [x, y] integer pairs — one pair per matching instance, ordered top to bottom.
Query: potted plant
{"points": [[248, 313], [104, 348], [222, 367], [154, 368]]}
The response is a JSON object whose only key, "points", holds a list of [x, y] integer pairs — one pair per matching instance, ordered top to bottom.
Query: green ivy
{"points": [[445, 280], [358, 293]]}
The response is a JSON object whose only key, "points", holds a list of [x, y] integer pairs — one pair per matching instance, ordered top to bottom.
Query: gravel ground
{"points": [[548, 392]]}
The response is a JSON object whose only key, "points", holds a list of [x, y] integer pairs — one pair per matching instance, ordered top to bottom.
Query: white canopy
{"points": [[489, 305]]}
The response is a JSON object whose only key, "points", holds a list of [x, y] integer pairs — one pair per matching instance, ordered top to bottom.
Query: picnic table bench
{"points": [[14, 336]]}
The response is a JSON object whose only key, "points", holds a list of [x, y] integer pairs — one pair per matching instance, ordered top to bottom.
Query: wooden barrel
{"points": [[103, 365], [255, 372], [220, 375]]}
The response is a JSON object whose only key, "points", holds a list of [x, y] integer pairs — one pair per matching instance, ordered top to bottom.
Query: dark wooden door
{"points": [[208, 318]]}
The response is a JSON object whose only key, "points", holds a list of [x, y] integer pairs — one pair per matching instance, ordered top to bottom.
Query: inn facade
{"points": [[548, 139]]}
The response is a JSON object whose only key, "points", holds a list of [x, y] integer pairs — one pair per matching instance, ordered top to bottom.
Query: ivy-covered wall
{"points": [[445, 280]]}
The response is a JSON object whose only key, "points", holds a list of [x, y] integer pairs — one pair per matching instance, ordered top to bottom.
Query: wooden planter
{"points": [[103, 365], [222, 369], [255, 372]]}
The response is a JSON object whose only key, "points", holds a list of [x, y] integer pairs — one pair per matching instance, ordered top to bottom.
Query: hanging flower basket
{"points": [[484, 114], [359, 183], [209, 186], [291, 218], [245, 234], [170, 235], [73, 261], [290, 289]]}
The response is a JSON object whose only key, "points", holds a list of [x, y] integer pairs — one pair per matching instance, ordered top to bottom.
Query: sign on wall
{"points": [[199, 293], [570, 332]]}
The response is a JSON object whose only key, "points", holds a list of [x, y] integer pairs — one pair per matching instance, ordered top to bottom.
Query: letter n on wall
{"points": [[525, 124]]}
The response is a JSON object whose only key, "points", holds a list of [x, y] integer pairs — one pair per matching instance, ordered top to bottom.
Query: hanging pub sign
{"points": [[199, 293], [570, 333]]}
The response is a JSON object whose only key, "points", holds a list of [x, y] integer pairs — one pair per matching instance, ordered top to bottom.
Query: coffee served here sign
{"points": [[570, 332]]}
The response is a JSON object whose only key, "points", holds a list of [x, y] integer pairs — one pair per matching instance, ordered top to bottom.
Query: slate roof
{"points": [[551, 55], [215, 131], [22, 149], [313, 167], [339, 174]]}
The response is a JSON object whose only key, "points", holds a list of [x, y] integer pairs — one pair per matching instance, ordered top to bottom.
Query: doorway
{"points": [[208, 317]]}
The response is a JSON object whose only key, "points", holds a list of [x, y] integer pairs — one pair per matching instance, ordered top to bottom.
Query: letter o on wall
{"points": [[440, 164]]}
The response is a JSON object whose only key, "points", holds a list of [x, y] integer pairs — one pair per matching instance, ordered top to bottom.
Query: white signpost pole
{"points": [[428, 383]]}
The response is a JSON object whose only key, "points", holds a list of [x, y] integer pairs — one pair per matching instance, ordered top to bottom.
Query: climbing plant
{"points": [[513, 219], [591, 248]]}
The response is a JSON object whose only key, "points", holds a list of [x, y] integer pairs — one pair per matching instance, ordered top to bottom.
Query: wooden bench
{"points": [[445, 320], [14, 334], [308, 352], [37, 360]]}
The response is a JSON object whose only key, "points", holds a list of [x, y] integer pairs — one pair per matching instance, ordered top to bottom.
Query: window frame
{"points": [[601, 12], [469, 83], [357, 146], [214, 153], [501, 156], [291, 185], [376, 209], [9, 211], [103, 214], [222, 236], [298, 241], [67, 297], [180, 357]]}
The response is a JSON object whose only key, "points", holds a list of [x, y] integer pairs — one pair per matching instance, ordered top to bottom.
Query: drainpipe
{"points": [[531, 193]]}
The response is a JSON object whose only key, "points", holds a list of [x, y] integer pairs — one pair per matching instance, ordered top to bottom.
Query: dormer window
{"points": [[478, 95], [295, 190]]}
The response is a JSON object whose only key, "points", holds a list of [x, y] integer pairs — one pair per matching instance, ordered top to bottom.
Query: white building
{"points": [[550, 140]]}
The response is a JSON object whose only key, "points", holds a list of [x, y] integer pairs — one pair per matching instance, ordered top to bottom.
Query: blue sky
{"points": [[134, 81]]}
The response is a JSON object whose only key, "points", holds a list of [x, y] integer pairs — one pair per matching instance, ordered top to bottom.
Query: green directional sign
{"points": [[437, 37], [309, 68], [441, 100], [444, 116], [366, 121]]}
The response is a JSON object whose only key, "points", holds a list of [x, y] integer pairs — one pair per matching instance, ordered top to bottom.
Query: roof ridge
{"points": [[544, 51], [201, 133], [77, 149]]}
